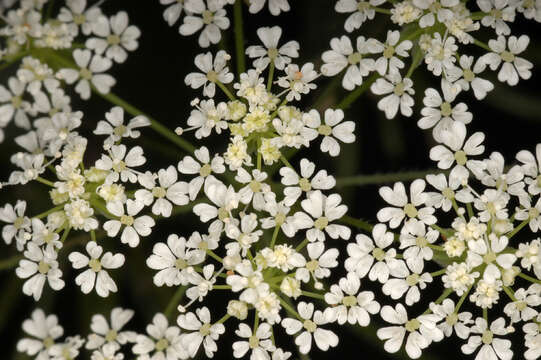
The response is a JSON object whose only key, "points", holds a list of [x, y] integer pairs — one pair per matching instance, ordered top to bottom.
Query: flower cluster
{"points": [[463, 231], [273, 236]]}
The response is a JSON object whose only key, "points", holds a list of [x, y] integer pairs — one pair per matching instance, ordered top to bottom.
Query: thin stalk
{"points": [[239, 36], [271, 76], [225, 90], [354, 95], [375, 179], [45, 181], [50, 211], [358, 223], [517, 229], [274, 235], [11, 262], [529, 278], [313, 295], [175, 300]]}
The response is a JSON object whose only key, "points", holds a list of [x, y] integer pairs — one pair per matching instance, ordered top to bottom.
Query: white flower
{"points": [[275, 6], [442, 10], [173, 11], [360, 12], [497, 12], [76, 14], [211, 16], [115, 37], [270, 52], [343, 55], [440, 56], [389, 63], [513, 67], [91, 72], [212, 72], [467, 77], [298, 81], [398, 93], [13, 104], [440, 113], [208, 117], [332, 126], [116, 130], [457, 150], [237, 153], [119, 164], [531, 165], [203, 166], [506, 180], [296, 184], [168, 191], [256, 191], [447, 191], [224, 199], [405, 208], [320, 211], [79, 214], [17, 223], [133, 226], [45, 234], [417, 243], [489, 251], [368, 256], [172, 260], [319, 264], [38, 266], [96, 274], [459, 277], [409, 285], [348, 304], [525, 305], [451, 320], [312, 321], [44, 331], [421, 331], [204, 332], [104, 335], [163, 342], [259, 342], [69, 348], [492, 348], [107, 352]]}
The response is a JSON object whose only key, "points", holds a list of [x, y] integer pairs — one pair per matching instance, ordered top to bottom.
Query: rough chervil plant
{"points": [[454, 253]]}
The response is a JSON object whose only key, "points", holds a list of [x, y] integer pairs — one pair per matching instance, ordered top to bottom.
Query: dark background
{"points": [[152, 79]]}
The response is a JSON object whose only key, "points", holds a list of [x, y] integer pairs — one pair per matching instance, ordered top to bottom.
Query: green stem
{"points": [[239, 36], [482, 45], [13, 59], [271, 75], [225, 90], [348, 100], [154, 124], [286, 162], [375, 179], [45, 181], [50, 211], [360, 224], [517, 229], [65, 234], [274, 236], [302, 245], [213, 255], [11, 262], [438, 273], [529, 278], [221, 287], [510, 293], [313, 295], [462, 299], [175, 300], [289, 308], [223, 319]]}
